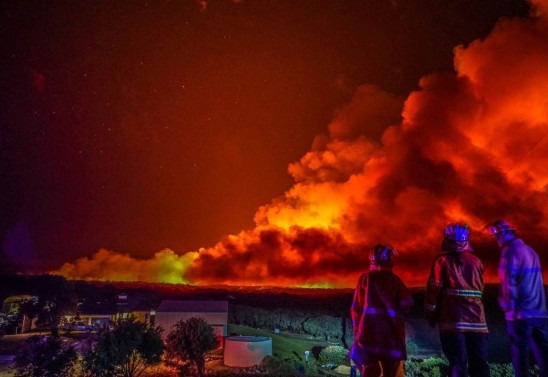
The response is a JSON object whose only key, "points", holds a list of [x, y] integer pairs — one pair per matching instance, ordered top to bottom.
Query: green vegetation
{"points": [[56, 296], [308, 321], [333, 327], [189, 344], [283, 345], [127, 350], [333, 355], [44, 357], [287, 359], [276, 366], [436, 367]]}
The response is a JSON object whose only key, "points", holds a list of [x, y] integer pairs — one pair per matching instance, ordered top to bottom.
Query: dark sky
{"points": [[142, 125]]}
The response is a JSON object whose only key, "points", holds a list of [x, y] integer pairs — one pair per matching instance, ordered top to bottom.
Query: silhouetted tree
{"points": [[56, 296], [190, 342], [127, 350], [41, 356]]}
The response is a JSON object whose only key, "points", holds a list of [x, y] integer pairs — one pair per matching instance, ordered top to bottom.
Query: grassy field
{"points": [[283, 345]]}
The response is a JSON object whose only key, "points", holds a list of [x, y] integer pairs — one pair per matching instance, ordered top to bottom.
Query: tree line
{"points": [[297, 321]]}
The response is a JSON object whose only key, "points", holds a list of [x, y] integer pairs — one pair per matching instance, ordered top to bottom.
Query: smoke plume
{"points": [[468, 146]]}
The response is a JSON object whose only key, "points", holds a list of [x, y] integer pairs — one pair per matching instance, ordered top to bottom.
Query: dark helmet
{"points": [[499, 227], [457, 233], [455, 238], [380, 255]]}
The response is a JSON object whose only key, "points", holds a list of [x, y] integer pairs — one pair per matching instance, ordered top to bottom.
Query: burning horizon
{"points": [[466, 147]]}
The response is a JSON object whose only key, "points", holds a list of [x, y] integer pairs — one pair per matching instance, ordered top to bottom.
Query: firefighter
{"points": [[522, 299], [380, 302], [453, 302]]}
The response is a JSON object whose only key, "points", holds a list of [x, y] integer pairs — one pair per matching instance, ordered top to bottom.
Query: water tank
{"points": [[246, 351]]}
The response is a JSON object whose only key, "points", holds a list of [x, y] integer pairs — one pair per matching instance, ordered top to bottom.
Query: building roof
{"points": [[132, 303], [190, 306]]}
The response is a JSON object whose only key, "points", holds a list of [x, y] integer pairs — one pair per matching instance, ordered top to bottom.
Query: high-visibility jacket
{"points": [[521, 292], [454, 293], [380, 302]]}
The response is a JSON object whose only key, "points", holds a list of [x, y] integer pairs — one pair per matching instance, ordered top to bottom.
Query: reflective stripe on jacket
{"points": [[521, 292], [454, 293], [377, 311]]}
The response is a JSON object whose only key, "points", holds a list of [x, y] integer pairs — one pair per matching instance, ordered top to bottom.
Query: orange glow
{"points": [[471, 147], [303, 206], [105, 265]]}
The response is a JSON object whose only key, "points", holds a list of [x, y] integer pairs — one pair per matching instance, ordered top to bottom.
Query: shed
{"points": [[215, 313]]}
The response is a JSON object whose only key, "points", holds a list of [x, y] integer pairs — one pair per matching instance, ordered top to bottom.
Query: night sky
{"points": [[143, 131]]}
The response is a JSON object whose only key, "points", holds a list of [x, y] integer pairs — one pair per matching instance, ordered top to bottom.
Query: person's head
{"points": [[502, 231], [456, 238], [380, 256]]}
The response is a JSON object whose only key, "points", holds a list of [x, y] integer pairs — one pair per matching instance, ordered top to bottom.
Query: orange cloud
{"points": [[468, 146], [164, 266]]}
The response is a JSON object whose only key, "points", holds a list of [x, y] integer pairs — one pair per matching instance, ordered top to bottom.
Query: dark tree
{"points": [[56, 297], [190, 342], [126, 351], [41, 356]]}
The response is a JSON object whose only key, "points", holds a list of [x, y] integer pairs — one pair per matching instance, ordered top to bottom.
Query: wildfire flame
{"points": [[469, 146]]}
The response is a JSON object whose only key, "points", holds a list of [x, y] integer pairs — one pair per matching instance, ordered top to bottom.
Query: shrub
{"points": [[324, 326], [190, 341], [412, 348], [129, 349], [316, 350], [333, 355], [44, 357], [274, 365], [277, 366], [430, 367], [436, 367], [501, 370], [506, 370]]}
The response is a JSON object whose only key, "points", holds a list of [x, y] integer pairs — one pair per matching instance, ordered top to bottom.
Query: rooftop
{"points": [[193, 306]]}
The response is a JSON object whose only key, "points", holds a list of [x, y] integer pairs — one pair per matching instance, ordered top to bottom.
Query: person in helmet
{"points": [[522, 299], [453, 303], [378, 307]]}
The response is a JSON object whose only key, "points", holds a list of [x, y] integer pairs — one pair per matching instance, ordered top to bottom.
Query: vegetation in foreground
{"points": [[307, 323], [288, 358]]}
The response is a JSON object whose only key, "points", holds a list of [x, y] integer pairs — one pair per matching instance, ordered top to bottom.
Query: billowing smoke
{"points": [[469, 146], [165, 266]]}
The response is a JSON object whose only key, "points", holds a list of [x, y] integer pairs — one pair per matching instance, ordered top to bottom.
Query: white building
{"points": [[215, 313]]}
